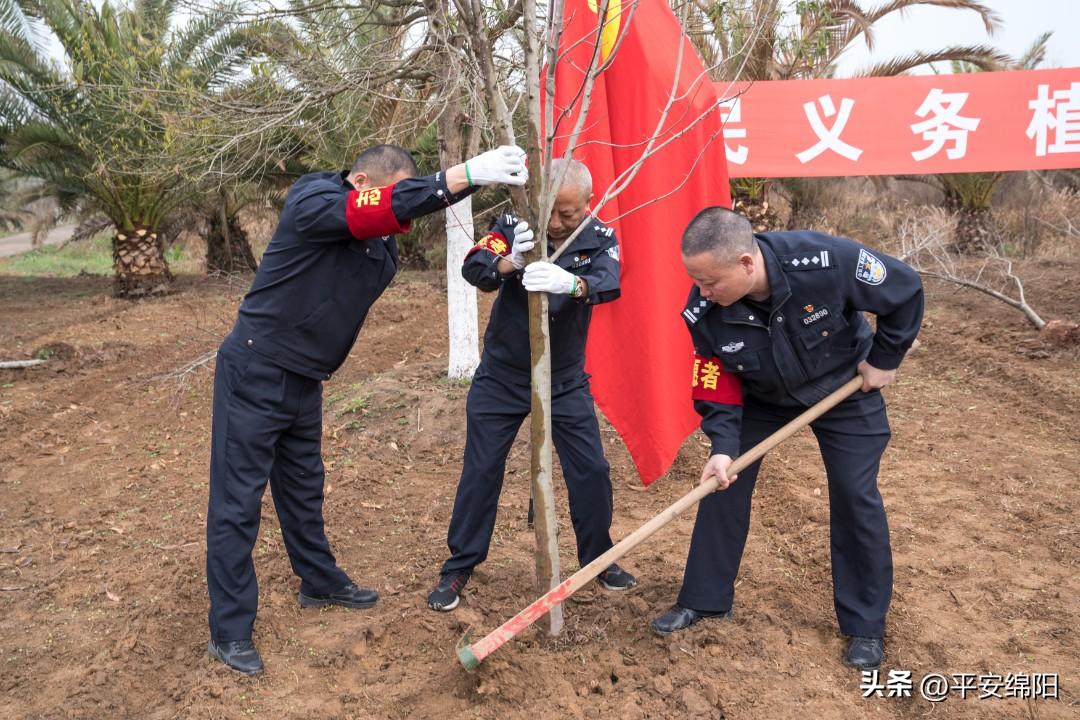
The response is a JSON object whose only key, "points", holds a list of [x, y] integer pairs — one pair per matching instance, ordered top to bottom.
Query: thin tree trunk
{"points": [[139, 264], [545, 525]]}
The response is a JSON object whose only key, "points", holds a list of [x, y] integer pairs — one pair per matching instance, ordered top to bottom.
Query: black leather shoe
{"points": [[349, 596], [680, 618], [865, 653], [240, 655]]}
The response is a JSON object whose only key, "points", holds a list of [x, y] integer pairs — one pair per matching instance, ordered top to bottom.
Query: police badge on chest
{"points": [[581, 261], [815, 314]]}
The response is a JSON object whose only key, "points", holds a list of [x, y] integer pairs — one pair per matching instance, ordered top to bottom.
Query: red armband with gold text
{"points": [[368, 213], [492, 241], [712, 383]]}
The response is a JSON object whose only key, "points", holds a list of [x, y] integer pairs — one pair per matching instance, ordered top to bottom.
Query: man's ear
{"points": [[360, 180], [746, 262]]}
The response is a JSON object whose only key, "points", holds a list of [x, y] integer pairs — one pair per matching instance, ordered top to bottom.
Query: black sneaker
{"points": [[615, 578], [447, 594]]}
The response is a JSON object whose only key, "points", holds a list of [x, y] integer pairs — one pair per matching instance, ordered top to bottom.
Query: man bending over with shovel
{"points": [[776, 321]]}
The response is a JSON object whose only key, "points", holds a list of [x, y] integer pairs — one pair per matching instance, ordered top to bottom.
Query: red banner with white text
{"points": [[974, 122]]}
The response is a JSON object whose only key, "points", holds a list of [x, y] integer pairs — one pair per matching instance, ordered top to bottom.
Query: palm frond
{"points": [[991, 20], [14, 21], [199, 31], [1034, 56], [983, 57]]}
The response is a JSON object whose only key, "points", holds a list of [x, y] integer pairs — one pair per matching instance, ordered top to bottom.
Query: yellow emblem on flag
{"points": [[612, 21]]}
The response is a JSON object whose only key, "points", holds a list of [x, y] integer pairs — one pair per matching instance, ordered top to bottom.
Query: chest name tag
{"points": [[815, 316]]}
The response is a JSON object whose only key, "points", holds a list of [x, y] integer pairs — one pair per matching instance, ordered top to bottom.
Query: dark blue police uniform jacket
{"points": [[332, 255], [593, 256], [808, 342], [759, 364]]}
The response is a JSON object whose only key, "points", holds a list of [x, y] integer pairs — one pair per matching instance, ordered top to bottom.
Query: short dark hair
{"points": [[381, 162], [724, 233]]}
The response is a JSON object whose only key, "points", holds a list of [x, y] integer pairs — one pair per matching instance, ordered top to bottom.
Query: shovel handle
{"points": [[471, 655]]}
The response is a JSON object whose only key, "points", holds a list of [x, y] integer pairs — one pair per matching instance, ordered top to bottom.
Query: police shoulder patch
{"points": [[613, 252], [811, 260], [870, 270], [695, 310]]}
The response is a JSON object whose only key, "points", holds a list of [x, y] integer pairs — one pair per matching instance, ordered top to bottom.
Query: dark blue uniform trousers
{"points": [[495, 410], [267, 424], [852, 438]]}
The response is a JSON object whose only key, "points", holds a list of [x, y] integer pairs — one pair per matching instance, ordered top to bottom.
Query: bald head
{"points": [[719, 231]]}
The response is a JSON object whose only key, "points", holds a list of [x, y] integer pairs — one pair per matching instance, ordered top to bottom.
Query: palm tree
{"points": [[777, 40], [103, 125], [969, 195]]}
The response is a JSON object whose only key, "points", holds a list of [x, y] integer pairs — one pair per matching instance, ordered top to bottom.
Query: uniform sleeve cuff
{"points": [[443, 190], [883, 359], [723, 446]]}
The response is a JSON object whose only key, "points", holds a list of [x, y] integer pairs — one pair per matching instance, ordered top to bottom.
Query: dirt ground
{"points": [[103, 487]]}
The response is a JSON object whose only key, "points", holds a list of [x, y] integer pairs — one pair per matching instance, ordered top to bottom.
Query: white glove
{"points": [[504, 164], [523, 243], [550, 278]]}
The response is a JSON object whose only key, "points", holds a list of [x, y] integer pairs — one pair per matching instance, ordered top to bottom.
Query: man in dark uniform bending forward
{"points": [[332, 255], [776, 321]]}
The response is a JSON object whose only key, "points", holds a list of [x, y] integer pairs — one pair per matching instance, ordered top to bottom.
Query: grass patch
{"points": [[93, 257]]}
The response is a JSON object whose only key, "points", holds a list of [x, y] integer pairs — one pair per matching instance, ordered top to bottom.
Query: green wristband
{"points": [[467, 175], [573, 288]]}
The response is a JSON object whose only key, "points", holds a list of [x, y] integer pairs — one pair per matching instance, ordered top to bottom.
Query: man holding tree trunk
{"points": [[332, 255], [586, 274]]}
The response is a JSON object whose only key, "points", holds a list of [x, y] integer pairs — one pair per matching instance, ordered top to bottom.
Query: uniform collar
{"points": [[345, 183], [588, 239], [778, 282]]}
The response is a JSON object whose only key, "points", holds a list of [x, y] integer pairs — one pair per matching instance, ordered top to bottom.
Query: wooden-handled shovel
{"points": [[471, 655]]}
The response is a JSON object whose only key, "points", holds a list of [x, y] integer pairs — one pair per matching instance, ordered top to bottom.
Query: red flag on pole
{"points": [[639, 353]]}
